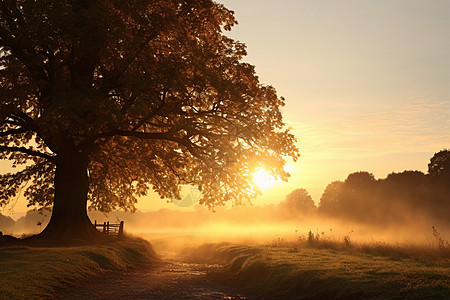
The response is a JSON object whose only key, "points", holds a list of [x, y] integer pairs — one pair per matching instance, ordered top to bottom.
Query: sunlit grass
{"points": [[440, 249], [335, 269], [324, 272], [35, 273]]}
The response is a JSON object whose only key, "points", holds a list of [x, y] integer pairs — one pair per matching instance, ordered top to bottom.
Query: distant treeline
{"points": [[399, 197], [402, 198], [33, 222]]}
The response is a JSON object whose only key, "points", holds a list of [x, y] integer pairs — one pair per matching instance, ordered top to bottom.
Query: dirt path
{"points": [[170, 279]]}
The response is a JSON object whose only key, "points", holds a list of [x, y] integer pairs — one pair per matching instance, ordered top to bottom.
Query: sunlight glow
{"points": [[262, 179]]}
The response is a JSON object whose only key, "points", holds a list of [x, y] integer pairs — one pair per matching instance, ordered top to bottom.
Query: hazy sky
{"points": [[367, 83]]}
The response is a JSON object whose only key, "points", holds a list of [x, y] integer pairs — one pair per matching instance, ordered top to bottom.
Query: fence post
{"points": [[95, 224], [104, 228], [107, 228], [121, 228]]}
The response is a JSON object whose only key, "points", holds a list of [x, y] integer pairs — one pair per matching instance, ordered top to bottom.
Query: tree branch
{"points": [[128, 61], [111, 77], [128, 103], [153, 113], [20, 115], [21, 119], [11, 123], [13, 131], [116, 131], [138, 134], [29, 152]]}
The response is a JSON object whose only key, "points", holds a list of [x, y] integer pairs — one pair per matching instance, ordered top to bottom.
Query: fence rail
{"points": [[110, 229]]}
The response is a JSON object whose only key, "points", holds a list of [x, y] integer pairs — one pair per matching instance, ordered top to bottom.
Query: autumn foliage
{"points": [[103, 100]]}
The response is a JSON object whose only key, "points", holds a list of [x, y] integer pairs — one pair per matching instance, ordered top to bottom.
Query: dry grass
{"points": [[439, 250], [317, 267]]}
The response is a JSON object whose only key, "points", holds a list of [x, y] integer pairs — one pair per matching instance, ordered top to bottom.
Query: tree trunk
{"points": [[69, 221]]}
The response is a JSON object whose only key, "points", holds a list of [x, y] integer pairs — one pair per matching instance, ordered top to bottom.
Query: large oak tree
{"points": [[102, 100]]}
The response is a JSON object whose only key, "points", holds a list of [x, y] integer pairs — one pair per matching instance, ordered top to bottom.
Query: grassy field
{"points": [[308, 268], [306, 271], [35, 272]]}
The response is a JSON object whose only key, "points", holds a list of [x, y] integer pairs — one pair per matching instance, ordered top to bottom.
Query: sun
{"points": [[262, 179]]}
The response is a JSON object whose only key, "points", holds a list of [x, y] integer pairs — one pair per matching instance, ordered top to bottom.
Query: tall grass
{"points": [[440, 249], [322, 266]]}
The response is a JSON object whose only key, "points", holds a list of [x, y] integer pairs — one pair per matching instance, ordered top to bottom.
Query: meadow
{"points": [[311, 268], [38, 272]]}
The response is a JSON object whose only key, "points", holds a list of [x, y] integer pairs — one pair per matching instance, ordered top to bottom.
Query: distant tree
{"points": [[102, 100], [440, 164], [360, 180], [405, 185], [439, 185], [400, 194], [358, 196], [397, 198], [351, 199], [329, 202], [297, 203], [31, 222], [6, 224]]}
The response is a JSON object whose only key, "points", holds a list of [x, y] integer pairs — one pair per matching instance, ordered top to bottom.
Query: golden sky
{"points": [[367, 84]]}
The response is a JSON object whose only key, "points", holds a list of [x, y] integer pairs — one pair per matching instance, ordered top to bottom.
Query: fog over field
{"points": [[401, 208], [252, 224]]}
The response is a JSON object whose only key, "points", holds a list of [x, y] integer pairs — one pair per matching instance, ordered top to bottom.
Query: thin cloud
{"points": [[422, 125]]}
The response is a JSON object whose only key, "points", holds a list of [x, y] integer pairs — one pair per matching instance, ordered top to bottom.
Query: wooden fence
{"points": [[110, 229]]}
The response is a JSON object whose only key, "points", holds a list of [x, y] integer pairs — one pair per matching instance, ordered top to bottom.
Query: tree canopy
{"points": [[103, 100], [440, 164], [407, 195], [330, 201], [298, 202]]}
